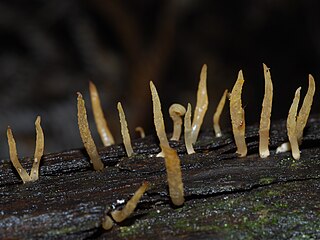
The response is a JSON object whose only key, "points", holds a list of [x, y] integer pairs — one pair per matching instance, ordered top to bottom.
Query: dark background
{"points": [[51, 49]]}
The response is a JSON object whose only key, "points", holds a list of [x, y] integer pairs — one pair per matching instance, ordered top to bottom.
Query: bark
{"points": [[226, 197]]}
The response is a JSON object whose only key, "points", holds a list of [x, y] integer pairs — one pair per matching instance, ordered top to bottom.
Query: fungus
{"points": [[202, 104], [305, 109], [176, 111], [217, 114], [265, 114], [237, 116], [302, 117], [99, 118], [158, 118], [291, 125], [125, 131], [141, 131], [187, 131], [86, 135], [38, 153], [14, 157], [174, 176], [120, 215], [107, 223]]}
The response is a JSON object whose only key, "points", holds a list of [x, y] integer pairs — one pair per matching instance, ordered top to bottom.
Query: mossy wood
{"points": [[227, 197]]}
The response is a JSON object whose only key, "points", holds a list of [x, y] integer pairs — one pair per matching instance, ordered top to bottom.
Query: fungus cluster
{"points": [[296, 123], [38, 153]]}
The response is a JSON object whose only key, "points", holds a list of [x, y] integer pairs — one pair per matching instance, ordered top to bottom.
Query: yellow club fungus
{"points": [[202, 104], [305, 109], [176, 111], [217, 114], [265, 114], [237, 116], [302, 117], [99, 118], [158, 118], [291, 125], [125, 131], [141, 131], [187, 131], [86, 135], [38, 153], [14, 157], [34, 175], [174, 175], [120, 215], [107, 223]]}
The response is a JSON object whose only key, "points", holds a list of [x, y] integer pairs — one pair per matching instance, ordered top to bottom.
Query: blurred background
{"points": [[51, 49]]}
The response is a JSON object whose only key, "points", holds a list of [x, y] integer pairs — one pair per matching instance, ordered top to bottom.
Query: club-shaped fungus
{"points": [[202, 104], [305, 109], [176, 111], [217, 114], [265, 114], [237, 116], [302, 117], [99, 118], [158, 118], [291, 125], [140, 130], [125, 131], [187, 131], [86, 135], [38, 153], [14, 157], [174, 176], [120, 215], [107, 223]]}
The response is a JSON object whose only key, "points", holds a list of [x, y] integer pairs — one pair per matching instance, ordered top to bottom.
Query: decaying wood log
{"points": [[227, 197]]}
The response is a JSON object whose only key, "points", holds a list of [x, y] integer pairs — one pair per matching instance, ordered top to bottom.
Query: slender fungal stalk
{"points": [[202, 104], [305, 109], [176, 111], [217, 114], [265, 114], [237, 116], [99, 118], [158, 118], [291, 125], [125, 131], [141, 131], [187, 131], [86, 135], [38, 153], [14, 158], [174, 175], [120, 215]]}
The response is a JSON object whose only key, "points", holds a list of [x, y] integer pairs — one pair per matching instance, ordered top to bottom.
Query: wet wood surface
{"points": [[227, 197]]}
